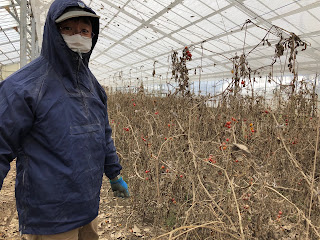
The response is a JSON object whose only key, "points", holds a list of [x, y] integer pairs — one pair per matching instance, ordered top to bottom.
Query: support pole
{"points": [[23, 33], [33, 39], [265, 90]]}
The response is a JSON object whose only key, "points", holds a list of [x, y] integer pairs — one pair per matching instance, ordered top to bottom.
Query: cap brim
{"points": [[73, 14]]}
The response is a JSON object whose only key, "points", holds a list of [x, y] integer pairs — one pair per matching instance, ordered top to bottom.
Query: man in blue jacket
{"points": [[54, 121]]}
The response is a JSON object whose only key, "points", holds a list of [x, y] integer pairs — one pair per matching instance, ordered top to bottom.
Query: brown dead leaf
{"points": [[240, 147], [135, 229]]}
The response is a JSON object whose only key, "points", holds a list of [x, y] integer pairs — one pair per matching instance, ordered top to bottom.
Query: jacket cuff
{"points": [[114, 175], [116, 179]]}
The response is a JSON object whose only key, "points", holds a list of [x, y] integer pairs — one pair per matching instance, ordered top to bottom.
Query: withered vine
{"points": [[288, 42], [291, 44], [288, 45], [180, 72]]}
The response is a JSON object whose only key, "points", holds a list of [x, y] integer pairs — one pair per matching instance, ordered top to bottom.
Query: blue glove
{"points": [[119, 187]]}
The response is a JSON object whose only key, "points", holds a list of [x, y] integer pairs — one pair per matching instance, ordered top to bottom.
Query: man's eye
{"points": [[66, 28], [85, 31]]}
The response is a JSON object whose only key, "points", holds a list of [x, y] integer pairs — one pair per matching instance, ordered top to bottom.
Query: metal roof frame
{"points": [[239, 4], [11, 11], [138, 36]]}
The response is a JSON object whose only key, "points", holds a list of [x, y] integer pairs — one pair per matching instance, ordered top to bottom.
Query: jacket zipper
{"points": [[81, 93], [23, 226]]}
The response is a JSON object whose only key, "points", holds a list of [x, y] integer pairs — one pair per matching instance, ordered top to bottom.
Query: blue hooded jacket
{"points": [[53, 119]]}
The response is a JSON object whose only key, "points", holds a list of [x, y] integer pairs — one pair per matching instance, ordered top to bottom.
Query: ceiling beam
{"points": [[9, 6], [310, 6], [15, 8], [301, 9], [16, 18], [262, 22], [143, 23], [9, 28], [303, 36], [10, 42], [4, 43], [306, 68], [147, 72], [226, 74]]}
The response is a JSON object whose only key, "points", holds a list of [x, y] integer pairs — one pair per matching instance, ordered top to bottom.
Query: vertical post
{"points": [[23, 33], [33, 38], [36, 46], [1, 72], [317, 80], [207, 88], [280, 88], [252, 89], [265, 90], [199, 92], [314, 96]]}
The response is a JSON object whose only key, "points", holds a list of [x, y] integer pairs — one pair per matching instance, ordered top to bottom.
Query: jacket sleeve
{"points": [[16, 119], [112, 165]]}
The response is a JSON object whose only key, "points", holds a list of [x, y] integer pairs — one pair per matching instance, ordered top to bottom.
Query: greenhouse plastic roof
{"points": [[9, 32], [137, 37]]}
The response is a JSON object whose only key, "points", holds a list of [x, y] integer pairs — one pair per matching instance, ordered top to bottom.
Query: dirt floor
{"points": [[117, 219]]}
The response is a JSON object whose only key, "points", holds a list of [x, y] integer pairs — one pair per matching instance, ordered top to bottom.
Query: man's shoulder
{"points": [[31, 73], [27, 78]]}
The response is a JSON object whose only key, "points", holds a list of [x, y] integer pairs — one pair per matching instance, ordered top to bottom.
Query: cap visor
{"points": [[73, 14]]}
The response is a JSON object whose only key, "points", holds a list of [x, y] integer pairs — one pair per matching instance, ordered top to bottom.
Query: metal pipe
{"points": [[23, 33], [33, 38]]}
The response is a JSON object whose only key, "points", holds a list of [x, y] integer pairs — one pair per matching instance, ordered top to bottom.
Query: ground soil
{"points": [[117, 219]]}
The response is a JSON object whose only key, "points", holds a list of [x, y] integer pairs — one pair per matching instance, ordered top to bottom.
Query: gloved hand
{"points": [[119, 187]]}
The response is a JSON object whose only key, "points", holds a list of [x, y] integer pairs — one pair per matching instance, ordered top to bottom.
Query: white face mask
{"points": [[78, 43]]}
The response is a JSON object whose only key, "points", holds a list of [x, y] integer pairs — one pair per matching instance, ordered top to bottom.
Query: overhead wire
{"points": [[272, 11], [224, 24], [230, 29]]}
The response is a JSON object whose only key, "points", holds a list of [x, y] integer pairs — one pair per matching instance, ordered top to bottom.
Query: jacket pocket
{"points": [[75, 130], [86, 146]]}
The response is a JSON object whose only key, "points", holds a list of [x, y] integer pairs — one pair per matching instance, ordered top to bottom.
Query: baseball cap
{"points": [[73, 12]]}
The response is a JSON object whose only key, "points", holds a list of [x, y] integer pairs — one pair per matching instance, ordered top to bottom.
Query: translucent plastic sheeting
{"points": [[9, 33], [139, 36]]}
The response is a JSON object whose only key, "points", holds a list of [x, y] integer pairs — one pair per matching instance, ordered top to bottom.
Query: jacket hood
{"points": [[54, 48]]}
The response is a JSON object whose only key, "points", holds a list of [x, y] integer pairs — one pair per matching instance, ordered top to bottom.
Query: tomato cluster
{"points": [[187, 54]]}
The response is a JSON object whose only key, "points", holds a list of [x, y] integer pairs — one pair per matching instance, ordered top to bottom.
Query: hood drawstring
{"points": [[80, 54]]}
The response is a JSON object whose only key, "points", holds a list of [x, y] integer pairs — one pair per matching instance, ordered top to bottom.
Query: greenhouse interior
{"points": [[213, 106]]}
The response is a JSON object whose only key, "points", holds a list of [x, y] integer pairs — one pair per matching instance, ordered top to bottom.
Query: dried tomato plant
{"points": [[180, 72], [244, 74], [236, 169], [239, 170]]}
